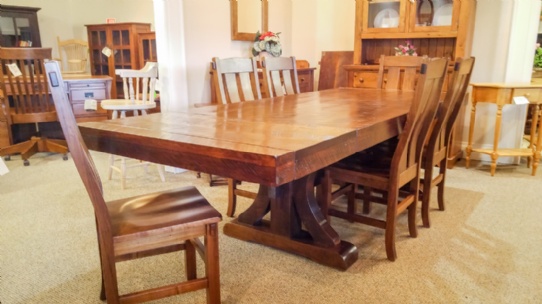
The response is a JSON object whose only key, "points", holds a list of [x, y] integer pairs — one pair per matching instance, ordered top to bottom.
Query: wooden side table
{"points": [[503, 94]]}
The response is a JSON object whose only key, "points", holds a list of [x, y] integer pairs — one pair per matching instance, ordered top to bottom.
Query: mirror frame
{"points": [[235, 34]]}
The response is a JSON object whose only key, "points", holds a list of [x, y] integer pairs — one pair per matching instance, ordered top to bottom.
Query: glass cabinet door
{"points": [[425, 15], [384, 16]]}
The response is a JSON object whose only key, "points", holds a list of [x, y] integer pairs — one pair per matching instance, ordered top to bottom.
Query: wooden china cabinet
{"points": [[19, 26], [436, 28], [114, 46]]}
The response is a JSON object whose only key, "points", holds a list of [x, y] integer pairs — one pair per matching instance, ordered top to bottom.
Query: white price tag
{"points": [[107, 51], [14, 69], [520, 100], [91, 105]]}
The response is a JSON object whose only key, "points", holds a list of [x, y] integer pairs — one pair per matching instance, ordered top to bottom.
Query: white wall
{"points": [[67, 18]]}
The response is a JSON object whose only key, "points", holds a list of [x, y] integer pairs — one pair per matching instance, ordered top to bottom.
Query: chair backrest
{"points": [[73, 55], [398, 72], [332, 73], [280, 76], [23, 78], [236, 79], [140, 84], [450, 106], [422, 111], [78, 150]]}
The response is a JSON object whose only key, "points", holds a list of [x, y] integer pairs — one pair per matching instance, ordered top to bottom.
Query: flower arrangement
{"points": [[267, 42], [405, 50], [538, 56]]}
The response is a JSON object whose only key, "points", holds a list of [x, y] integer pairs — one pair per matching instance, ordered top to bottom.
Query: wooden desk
{"points": [[79, 88], [503, 94], [280, 143]]}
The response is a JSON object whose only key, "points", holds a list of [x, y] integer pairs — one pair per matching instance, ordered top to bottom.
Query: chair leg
{"points": [[111, 164], [161, 172], [123, 173], [440, 186], [426, 196], [232, 198], [389, 239], [190, 261], [212, 266]]}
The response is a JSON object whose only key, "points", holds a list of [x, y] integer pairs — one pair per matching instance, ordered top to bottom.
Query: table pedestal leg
{"points": [[293, 207]]}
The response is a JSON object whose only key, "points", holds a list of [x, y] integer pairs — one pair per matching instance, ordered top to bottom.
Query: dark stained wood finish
{"points": [[440, 138], [279, 143], [396, 182], [144, 225]]}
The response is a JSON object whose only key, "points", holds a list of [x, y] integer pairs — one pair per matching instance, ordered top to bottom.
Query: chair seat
{"points": [[126, 105], [160, 209]]}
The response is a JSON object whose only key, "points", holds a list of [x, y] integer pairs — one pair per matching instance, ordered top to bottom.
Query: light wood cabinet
{"points": [[437, 28], [114, 46]]}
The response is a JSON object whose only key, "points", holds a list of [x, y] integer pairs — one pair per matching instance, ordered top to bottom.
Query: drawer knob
{"points": [[302, 79], [361, 80], [527, 94]]}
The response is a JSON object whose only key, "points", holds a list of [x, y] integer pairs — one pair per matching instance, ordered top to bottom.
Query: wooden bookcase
{"points": [[19, 26], [120, 40], [147, 47]]}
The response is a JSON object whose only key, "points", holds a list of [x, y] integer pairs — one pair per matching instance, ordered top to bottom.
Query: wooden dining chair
{"points": [[73, 55], [398, 72], [280, 76], [237, 81], [23, 82], [139, 97], [436, 150], [397, 185], [145, 225]]}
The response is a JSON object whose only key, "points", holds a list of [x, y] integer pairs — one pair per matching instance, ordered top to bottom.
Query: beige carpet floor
{"points": [[485, 248]]}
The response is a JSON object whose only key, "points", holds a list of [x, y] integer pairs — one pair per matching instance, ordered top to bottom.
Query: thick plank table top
{"points": [[279, 143]]}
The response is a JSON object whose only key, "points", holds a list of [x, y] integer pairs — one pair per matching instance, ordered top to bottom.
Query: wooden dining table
{"points": [[280, 143]]}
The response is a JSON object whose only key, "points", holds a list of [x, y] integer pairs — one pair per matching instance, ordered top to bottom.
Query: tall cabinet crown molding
{"points": [[115, 46]]}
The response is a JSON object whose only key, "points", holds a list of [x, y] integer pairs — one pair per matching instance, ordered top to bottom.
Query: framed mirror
{"points": [[247, 17]]}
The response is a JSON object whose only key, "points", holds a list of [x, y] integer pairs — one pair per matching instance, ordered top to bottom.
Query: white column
{"points": [[170, 45]]}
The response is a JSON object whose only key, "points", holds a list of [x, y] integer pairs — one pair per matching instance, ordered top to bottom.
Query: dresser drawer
{"points": [[305, 77], [365, 79], [305, 84], [88, 93], [533, 95]]}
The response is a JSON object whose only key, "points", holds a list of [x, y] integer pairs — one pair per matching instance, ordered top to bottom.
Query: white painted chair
{"points": [[139, 94]]}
